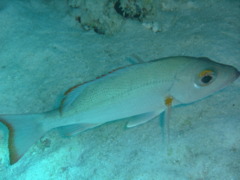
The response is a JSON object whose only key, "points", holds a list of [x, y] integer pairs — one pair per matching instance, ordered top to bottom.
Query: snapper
{"points": [[141, 91]]}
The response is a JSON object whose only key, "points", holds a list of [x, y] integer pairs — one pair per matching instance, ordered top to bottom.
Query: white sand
{"points": [[44, 51]]}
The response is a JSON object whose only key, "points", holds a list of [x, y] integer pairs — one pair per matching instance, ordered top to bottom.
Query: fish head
{"points": [[200, 78]]}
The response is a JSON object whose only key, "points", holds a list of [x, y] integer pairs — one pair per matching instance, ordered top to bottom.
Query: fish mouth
{"points": [[237, 74], [230, 80]]}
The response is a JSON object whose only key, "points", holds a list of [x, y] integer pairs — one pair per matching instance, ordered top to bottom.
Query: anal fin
{"points": [[141, 119], [75, 129]]}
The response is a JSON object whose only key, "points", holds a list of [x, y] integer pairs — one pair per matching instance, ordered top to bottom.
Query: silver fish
{"points": [[140, 91]]}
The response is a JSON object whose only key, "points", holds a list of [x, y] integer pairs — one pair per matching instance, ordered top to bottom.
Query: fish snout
{"points": [[237, 74]]}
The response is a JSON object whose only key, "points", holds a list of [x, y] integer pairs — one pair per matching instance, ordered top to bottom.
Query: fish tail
{"points": [[24, 130]]}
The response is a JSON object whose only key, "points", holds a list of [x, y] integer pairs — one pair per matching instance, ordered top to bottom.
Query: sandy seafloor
{"points": [[44, 51]]}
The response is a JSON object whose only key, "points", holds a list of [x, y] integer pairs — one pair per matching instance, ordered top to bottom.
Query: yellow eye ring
{"points": [[205, 73], [205, 77]]}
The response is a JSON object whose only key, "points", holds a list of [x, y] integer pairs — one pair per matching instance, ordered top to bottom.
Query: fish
{"points": [[140, 92]]}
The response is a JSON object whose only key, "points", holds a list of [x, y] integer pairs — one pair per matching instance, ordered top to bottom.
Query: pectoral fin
{"points": [[167, 114], [142, 118]]}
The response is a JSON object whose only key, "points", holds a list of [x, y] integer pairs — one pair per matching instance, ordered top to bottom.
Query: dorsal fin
{"points": [[72, 93], [70, 96]]}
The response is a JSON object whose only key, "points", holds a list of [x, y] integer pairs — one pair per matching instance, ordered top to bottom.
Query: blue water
{"points": [[47, 47]]}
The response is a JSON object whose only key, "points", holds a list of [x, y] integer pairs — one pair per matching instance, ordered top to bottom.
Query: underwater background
{"points": [[47, 46]]}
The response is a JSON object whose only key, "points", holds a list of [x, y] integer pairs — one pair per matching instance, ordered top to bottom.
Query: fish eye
{"points": [[205, 78]]}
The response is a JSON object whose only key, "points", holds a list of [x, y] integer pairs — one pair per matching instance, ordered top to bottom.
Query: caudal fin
{"points": [[24, 131]]}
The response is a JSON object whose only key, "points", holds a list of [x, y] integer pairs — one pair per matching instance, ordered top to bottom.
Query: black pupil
{"points": [[206, 79]]}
